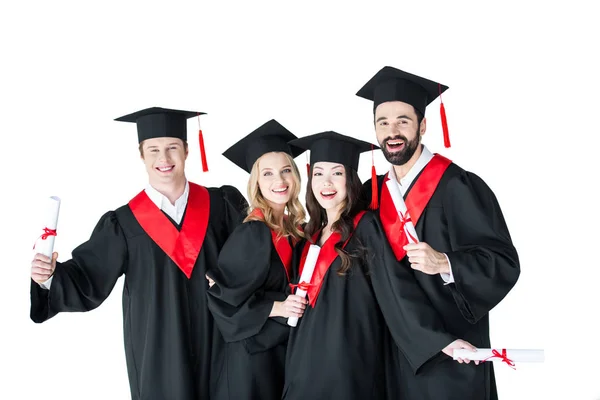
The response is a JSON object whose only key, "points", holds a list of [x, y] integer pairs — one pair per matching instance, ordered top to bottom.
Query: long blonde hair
{"points": [[295, 216]]}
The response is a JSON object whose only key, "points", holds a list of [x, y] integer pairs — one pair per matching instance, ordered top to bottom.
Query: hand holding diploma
{"points": [[44, 262], [306, 276], [466, 349], [507, 356]]}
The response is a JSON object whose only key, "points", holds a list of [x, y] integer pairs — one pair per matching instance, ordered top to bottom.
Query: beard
{"points": [[402, 156]]}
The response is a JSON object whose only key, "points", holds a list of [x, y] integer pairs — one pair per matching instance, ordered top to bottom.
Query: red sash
{"points": [[417, 199], [282, 245], [182, 246], [326, 257]]}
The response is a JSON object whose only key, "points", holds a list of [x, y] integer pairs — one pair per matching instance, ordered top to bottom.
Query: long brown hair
{"points": [[353, 204], [295, 214]]}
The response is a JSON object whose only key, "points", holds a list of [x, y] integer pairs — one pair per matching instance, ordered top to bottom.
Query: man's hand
{"points": [[425, 259], [43, 267]]}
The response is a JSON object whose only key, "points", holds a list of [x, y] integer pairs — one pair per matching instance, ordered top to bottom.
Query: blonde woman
{"points": [[249, 294]]}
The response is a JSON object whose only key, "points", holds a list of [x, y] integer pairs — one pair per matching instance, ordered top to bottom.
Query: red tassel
{"points": [[444, 120], [445, 125], [202, 152], [374, 189], [374, 192]]}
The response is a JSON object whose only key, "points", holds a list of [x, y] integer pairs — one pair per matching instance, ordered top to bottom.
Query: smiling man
{"points": [[446, 224], [163, 241]]}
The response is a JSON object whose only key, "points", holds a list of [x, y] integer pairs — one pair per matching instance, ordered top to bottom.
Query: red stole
{"points": [[418, 197], [282, 245], [183, 247], [326, 257]]}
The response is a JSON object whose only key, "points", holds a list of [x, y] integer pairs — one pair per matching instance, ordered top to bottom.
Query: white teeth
{"points": [[394, 143], [165, 169], [280, 190], [328, 193]]}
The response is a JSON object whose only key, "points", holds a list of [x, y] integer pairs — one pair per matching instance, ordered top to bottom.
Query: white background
{"points": [[522, 111]]}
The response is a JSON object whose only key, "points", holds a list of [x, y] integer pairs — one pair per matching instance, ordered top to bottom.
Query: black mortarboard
{"points": [[392, 84], [157, 122], [160, 122], [271, 136], [333, 147]]}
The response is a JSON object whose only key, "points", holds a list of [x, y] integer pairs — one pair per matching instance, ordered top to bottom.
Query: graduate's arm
{"points": [[236, 207], [484, 262], [85, 281], [237, 299], [415, 325]]}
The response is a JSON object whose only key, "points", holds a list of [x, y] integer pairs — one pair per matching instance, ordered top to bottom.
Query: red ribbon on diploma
{"points": [[404, 218], [47, 232], [302, 286], [505, 359]]}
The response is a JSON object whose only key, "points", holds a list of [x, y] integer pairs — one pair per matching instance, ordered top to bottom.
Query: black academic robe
{"points": [[462, 219], [250, 277], [172, 348], [339, 348]]}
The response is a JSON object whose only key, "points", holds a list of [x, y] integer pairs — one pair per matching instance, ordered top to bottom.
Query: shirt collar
{"points": [[410, 176], [163, 203]]}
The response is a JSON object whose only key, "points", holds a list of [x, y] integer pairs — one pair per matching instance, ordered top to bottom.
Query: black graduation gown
{"points": [[462, 219], [250, 277], [172, 348], [339, 348]]}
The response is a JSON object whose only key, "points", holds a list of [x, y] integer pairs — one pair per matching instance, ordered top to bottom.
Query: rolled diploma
{"points": [[52, 207], [401, 208], [307, 272], [516, 355]]}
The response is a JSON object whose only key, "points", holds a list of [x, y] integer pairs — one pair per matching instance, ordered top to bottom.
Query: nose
{"points": [[163, 156]]}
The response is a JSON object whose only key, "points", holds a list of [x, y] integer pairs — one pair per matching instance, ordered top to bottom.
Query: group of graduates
{"points": [[407, 265]]}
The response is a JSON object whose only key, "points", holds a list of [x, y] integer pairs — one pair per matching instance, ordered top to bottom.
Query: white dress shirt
{"points": [[405, 182], [175, 211]]}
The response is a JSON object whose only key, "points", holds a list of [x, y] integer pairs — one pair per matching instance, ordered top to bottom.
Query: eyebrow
{"points": [[398, 117], [155, 146], [337, 166], [267, 168]]}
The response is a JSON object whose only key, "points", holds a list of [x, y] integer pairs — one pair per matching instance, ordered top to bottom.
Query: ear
{"points": [[423, 126]]}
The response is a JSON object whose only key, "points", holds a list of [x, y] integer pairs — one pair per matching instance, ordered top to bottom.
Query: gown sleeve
{"points": [[483, 259], [85, 281], [238, 301], [413, 322]]}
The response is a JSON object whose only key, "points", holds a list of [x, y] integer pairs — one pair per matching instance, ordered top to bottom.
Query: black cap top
{"points": [[391, 84], [160, 122], [271, 136], [333, 147]]}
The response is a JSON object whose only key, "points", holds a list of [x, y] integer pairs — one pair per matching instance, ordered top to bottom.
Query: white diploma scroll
{"points": [[398, 200], [45, 242], [307, 272], [514, 355]]}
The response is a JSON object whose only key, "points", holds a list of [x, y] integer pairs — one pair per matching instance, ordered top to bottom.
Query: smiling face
{"points": [[398, 131], [164, 159], [276, 179], [328, 185]]}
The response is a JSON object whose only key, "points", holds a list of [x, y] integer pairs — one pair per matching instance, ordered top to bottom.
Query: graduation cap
{"points": [[392, 84], [157, 122], [269, 137], [337, 148]]}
